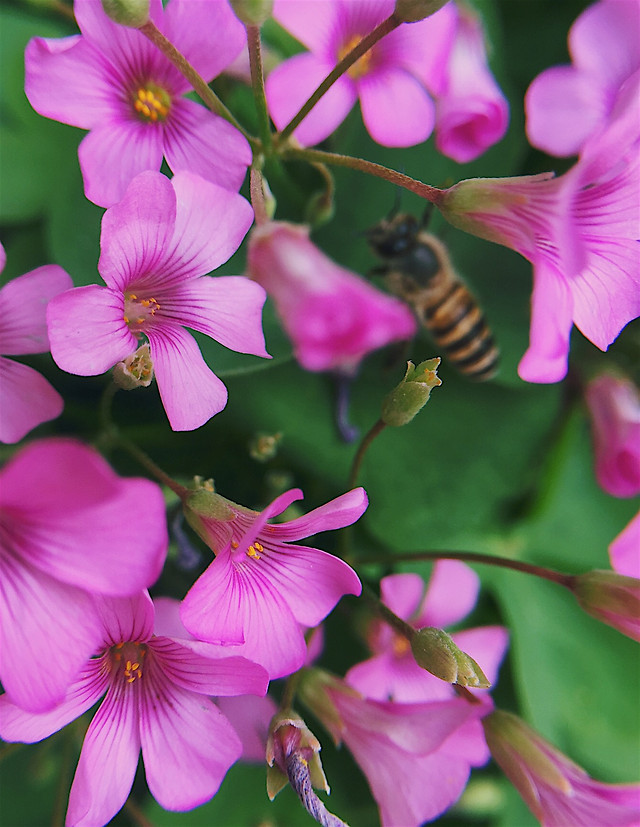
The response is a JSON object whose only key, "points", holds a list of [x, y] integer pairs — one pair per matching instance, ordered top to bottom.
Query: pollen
{"points": [[362, 66], [151, 103], [138, 312], [252, 551], [400, 646], [128, 660]]}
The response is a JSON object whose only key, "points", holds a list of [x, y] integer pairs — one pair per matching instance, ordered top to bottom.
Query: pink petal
{"points": [[313, 24], [209, 35], [66, 80], [290, 84], [563, 108], [396, 109], [467, 126], [198, 141], [112, 154], [136, 232], [23, 303], [551, 321], [87, 331], [191, 393], [28, 400], [337, 513], [624, 551], [402, 593], [451, 594], [211, 611], [125, 618], [49, 630], [400, 679], [250, 718], [17, 724], [187, 743], [107, 763]]}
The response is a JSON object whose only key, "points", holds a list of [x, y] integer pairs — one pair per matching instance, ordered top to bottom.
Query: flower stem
{"points": [[347, 61], [257, 81], [209, 97], [318, 156], [256, 189], [362, 450], [149, 464], [389, 617], [290, 690]]}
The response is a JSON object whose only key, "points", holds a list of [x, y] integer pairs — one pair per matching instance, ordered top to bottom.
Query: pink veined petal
{"points": [[313, 24], [209, 35], [65, 79], [290, 84], [563, 107], [396, 108], [467, 126], [198, 141], [112, 154], [209, 227], [136, 232], [23, 309], [551, 321], [87, 331], [191, 393], [28, 400], [274, 509], [337, 513], [624, 551], [402, 593], [451, 594], [125, 618], [49, 629], [487, 645], [195, 672], [388, 677], [250, 717], [17, 724], [468, 742], [187, 743], [108, 760]]}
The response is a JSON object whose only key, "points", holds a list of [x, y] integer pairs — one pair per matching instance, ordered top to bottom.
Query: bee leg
{"points": [[427, 215], [342, 389]]}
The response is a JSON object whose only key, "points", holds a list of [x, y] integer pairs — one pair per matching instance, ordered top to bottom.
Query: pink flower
{"points": [[391, 80], [114, 82], [566, 105], [471, 111], [580, 232], [155, 246], [333, 316], [27, 397], [614, 405], [69, 528], [624, 551], [261, 589], [611, 598], [392, 673], [154, 692], [401, 748], [557, 791]]}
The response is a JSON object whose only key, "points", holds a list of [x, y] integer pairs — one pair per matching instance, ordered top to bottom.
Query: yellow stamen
{"points": [[362, 65], [151, 103], [251, 552]]}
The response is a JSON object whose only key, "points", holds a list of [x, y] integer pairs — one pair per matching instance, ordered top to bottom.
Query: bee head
{"points": [[393, 237]]}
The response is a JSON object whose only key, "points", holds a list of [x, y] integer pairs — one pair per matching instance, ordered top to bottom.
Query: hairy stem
{"points": [[257, 82], [362, 450]]}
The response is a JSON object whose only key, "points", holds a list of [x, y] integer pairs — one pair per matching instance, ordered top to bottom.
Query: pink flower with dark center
{"points": [[391, 79], [112, 81], [566, 105], [580, 231], [155, 246], [333, 317], [28, 399], [614, 405], [70, 528], [624, 551], [261, 589], [154, 700], [557, 791]]}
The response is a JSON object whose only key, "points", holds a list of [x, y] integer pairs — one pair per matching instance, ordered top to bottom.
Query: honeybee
{"points": [[418, 269]]}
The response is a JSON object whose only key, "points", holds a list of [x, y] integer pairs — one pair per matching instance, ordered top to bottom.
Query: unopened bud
{"points": [[410, 11], [252, 12], [133, 13], [136, 371], [401, 405], [610, 597], [435, 651], [289, 736]]}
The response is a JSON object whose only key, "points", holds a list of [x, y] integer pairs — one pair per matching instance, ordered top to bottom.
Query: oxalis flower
{"points": [[114, 82], [580, 231], [155, 245], [28, 399], [70, 529], [261, 589], [154, 690]]}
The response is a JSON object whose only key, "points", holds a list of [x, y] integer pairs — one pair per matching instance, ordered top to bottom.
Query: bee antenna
{"points": [[427, 215]]}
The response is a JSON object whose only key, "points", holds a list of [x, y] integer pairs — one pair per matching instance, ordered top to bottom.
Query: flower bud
{"points": [[410, 11], [252, 12], [133, 13], [136, 371], [401, 405], [264, 447], [610, 597], [435, 651], [289, 738]]}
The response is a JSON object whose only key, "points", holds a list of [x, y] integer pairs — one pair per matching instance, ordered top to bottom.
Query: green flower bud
{"points": [[410, 11], [252, 12], [133, 13], [136, 371], [401, 405], [204, 504], [435, 651], [289, 737]]}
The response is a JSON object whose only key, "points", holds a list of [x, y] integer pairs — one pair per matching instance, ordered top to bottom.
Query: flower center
{"points": [[362, 65], [151, 103], [138, 312], [253, 551], [400, 646], [127, 660]]}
